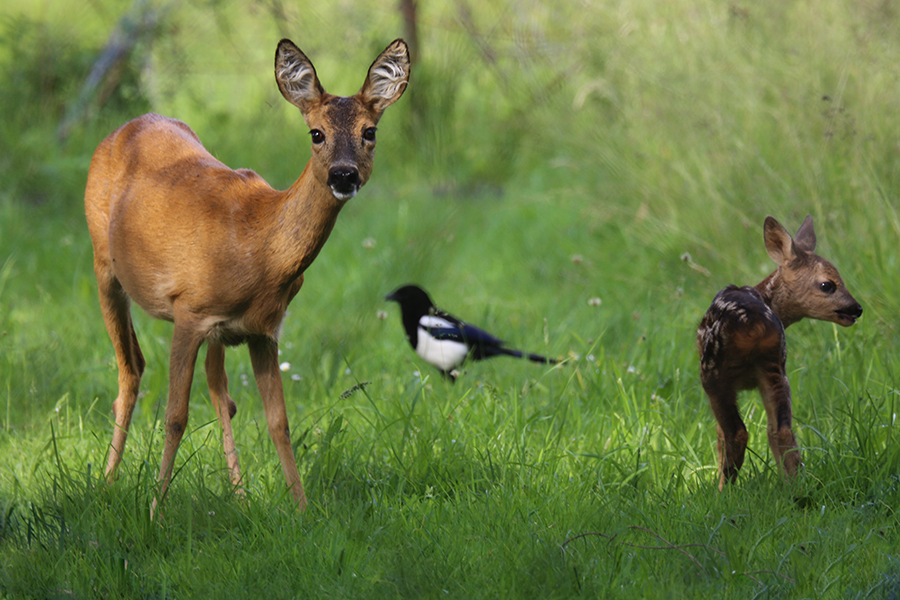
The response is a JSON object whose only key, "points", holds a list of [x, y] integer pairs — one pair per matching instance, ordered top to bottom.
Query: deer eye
{"points": [[369, 134], [317, 136], [827, 287]]}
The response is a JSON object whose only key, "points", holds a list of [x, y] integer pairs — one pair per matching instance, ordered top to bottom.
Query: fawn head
{"points": [[342, 127], [805, 284]]}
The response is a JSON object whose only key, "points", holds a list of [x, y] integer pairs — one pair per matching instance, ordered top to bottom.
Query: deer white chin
{"points": [[344, 196]]}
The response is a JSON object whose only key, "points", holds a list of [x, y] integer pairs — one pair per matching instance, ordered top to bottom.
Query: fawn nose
{"points": [[343, 181], [849, 314]]}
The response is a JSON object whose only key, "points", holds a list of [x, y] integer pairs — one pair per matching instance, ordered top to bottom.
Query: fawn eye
{"points": [[369, 134], [317, 136], [827, 287]]}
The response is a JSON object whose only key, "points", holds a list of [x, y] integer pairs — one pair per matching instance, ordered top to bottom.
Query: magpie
{"points": [[444, 341]]}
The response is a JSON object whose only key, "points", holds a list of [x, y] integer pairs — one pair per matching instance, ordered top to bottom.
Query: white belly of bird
{"points": [[443, 354]]}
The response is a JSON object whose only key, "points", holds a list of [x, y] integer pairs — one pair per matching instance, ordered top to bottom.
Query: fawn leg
{"points": [[117, 315], [185, 345], [264, 357], [776, 394], [224, 406], [730, 430]]}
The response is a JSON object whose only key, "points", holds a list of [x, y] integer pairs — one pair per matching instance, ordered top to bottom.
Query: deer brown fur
{"points": [[219, 252], [742, 344]]}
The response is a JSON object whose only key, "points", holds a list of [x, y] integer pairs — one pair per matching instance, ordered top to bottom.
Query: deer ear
{"points": [[296, 76], [387, 77], [806, 235], [779, 244]]}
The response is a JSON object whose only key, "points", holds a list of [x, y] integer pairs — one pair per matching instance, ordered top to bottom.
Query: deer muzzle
{"points": [[344, 182], [849, 314]]}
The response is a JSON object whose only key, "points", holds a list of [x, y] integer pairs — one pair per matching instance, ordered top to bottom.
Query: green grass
{"points": [[626, 152]]}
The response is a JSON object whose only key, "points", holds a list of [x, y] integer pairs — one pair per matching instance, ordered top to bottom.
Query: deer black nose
{"points": [[343, 180], [849, 314]]}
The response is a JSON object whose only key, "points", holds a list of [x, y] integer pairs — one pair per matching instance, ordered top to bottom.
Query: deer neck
{"points": [[308, 213], [777, 295]]}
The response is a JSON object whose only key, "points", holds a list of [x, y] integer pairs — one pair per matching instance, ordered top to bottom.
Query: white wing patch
{"points": [[433, 322]]}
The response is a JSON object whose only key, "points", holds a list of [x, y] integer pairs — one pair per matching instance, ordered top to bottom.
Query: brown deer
{"points": [[219, 252], [742, 344]]}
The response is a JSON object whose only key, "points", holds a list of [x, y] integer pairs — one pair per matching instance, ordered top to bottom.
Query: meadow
{"points": [[579, 178]]}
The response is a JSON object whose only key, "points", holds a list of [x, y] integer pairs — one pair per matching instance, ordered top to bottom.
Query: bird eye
{"points": [[369, 134], [317, 136], [827, 287]]}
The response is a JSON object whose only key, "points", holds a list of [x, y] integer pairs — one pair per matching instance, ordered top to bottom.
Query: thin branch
{"points": [[140, 22], [589, 533], [669, 546]]}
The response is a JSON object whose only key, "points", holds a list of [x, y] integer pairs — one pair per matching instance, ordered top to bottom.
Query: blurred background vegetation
{"points": [[591, 97]]}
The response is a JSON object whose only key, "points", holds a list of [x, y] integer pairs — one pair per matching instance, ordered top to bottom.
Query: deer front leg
{"points": [[116, 313], [185, 345], [264, 357], [776, 394], [224, 406], [730, 430]]}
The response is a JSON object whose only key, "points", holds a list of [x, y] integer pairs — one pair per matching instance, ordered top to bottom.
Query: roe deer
{"points": [[219, 252], [742, 345]]}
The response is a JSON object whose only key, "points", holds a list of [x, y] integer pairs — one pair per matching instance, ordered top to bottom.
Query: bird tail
{"points": [[532, 357]]}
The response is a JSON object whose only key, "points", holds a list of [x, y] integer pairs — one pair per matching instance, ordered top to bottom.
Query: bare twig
{"points": [[589, 533], [670, 546]]}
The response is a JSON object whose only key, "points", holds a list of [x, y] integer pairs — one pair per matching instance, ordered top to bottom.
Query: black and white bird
{"points": [[442, 340]]}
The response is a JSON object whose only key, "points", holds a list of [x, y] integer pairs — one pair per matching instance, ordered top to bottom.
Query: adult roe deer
{"points": [[219, 252], [742, 344]]}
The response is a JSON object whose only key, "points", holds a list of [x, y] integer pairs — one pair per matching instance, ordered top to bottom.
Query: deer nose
{"points": [[343, 181], [849, 314]]}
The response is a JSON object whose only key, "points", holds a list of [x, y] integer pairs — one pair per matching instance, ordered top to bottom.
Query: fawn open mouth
{"points": [[848, 316]]}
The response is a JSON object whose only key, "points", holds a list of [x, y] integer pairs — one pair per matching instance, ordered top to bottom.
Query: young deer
{"points": [[219, 252], [742, 345]]}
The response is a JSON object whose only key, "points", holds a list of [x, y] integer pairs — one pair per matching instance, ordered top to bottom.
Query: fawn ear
{"points": [[296, 76], [387, 77], [806, 235], [779, 244]]}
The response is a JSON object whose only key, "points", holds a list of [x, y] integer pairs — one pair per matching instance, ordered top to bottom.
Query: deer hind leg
{"points": [[117, 315], [185, 345], [264, 357], [776, 394], [224, 406], [730, 430]]}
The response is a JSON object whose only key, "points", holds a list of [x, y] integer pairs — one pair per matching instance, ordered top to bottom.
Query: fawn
{"points": [[219, 252], [742, 344]]}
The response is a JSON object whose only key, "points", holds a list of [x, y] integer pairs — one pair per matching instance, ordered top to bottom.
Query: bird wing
{"points": [[443, 326]]}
